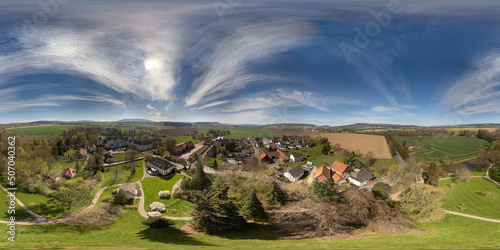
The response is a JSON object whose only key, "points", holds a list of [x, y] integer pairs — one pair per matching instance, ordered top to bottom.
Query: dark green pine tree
{"points": [[215, 165], [433, 175], [200, 180], [325, 190], [276, 195], [120, 198], [252, 209], [214, 213]]}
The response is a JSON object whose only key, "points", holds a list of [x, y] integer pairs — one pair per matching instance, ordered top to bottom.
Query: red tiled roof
{"points": [[338, 167], [69, 171], [322, 173], [336, 177]]}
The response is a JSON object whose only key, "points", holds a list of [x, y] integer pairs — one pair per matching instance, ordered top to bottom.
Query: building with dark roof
{"points": [[159, 166], [295, 173], [360, 178]]}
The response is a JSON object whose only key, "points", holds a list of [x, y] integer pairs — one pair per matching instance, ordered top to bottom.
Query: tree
{"points": [[230, 146], [326, 149], [101, 150], [130, 155], [369, 159], [446, 160], [214, 164], [395, 173], [433, 175], [462, 175], [200, 180], [324, 190], [381, 190], [72, 194], [276, 195], [120, 198], [422, 205], [251, 208], [214, 213], [159, 222]]}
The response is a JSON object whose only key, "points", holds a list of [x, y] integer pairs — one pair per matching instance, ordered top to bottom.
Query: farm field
{"points": [[39, 130], [241, 132], [181, 139], [365, 143], [458, 148], [470, 197], [175, 207], [129, 232]]}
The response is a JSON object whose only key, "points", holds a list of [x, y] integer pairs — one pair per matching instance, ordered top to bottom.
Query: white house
{"points": [[296, 157], [295, 173], [360, 178]]}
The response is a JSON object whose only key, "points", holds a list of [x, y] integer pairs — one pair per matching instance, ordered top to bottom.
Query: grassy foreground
{"points": [[128, 232]]}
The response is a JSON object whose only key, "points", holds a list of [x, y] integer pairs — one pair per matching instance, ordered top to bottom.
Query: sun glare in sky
{"points": [[152, 64]]}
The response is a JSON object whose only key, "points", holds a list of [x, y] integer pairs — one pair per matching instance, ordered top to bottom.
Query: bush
{"points": [[462, 175], [381, 190], [165, 194], [120, 198], [157, 206], [103, 214], [154, 215], [158, 222]]}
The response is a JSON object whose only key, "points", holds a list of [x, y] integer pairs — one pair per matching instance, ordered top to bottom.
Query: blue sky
{"points": [[252, 62]]}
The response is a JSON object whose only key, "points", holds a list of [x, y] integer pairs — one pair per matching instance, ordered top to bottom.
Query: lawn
{"points": [[40, 130], [241, 132], [458, 148], [121, 156], [68, 164], [121, 174], [152, 186], [470, 197], [20, 213], [128, 232]]}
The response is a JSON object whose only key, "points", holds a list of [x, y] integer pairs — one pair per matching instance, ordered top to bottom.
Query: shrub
{"points": [[462, 175], [381, 190], [165, 194], [120, 198], [157, 206], [154, 214], [158, 222]]}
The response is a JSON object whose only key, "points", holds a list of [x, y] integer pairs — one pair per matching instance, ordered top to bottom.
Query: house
{"points": [[115, 142], [208, 142], [143, 145], [181, 148], [92, 149], [212, 151], [198, 152], [245, 152], [80, 153], [273, 154], [108, 157], [263, 157], [283, 157], [296, 157], [160, 166], [339, 167], [69, 172], [295, 173], [322, 174], [360, 178], [339, 179], [130, 191]]}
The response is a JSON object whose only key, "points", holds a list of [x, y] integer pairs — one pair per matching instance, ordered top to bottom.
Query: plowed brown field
{"points": [[365, 143]]}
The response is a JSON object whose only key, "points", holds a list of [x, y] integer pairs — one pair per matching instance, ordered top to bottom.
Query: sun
{"points": [[152, 64]]}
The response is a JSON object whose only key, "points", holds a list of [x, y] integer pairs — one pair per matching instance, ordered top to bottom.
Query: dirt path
{"points": [[311, 175], [488, 175], [472, 216]]}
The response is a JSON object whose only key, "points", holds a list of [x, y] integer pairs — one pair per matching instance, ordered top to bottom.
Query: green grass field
{"points": [[44, 130], [241, 132], [181, 139], [458, 148], [121, 156], [124, 174], [152, 186], [470, 198], [20, 214], [128, 232]]}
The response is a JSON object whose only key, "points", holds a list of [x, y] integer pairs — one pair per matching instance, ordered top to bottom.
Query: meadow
{"points": [[39, 130], [241, 132], [458, 148], [121, 174], [471, 197], [174, 206], [128, 232]]}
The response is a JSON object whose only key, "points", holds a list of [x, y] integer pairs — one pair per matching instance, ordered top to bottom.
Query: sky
{"points": [[251, 62]]}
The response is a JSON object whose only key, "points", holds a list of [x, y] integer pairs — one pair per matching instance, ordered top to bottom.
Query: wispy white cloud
{"points": [[248, 41], [477, 91], [213, 104]]}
